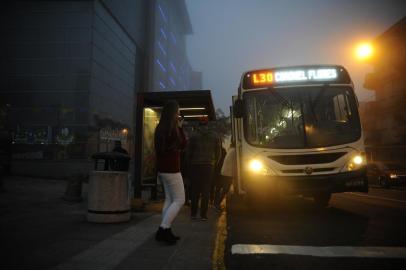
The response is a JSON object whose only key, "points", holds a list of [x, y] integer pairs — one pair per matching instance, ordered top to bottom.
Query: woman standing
{"points": [[169, 142]]}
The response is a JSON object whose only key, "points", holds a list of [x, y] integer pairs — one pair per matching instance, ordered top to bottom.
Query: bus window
{"points": [[341, 108], [300, 117]]}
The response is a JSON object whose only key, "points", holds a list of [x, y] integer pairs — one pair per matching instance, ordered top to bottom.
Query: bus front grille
{"points": [[307, 159], [315, 170]]}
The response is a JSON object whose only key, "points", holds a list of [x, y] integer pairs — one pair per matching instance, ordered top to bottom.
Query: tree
{"points": [[222, 125]]}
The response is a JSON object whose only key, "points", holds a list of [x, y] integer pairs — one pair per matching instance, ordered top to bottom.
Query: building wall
{"points": [[132, 15], [62, 64], [71, 68], [171, 69], [45, 75], [112, 90], [384, 119]]}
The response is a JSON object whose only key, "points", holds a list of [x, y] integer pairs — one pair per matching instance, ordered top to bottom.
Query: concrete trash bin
{"points": [[108, 200]]}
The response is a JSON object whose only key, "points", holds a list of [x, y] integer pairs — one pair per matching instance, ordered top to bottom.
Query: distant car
{"points": [[386, 174]]}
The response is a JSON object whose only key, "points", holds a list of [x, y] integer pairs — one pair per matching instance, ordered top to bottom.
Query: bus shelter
{"points": [[192, 105]]}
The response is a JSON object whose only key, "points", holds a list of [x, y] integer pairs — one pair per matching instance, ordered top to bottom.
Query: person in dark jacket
{"points": [[169, 141], [118, 148], [203, 155], [120, 163], [217, 178]]}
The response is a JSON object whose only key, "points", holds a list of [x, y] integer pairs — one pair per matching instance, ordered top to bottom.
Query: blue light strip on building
{"points": [[162, 13], [163, 33], [162, 48], [160, 65], [172, 66], [172, 81], [162, 85]]}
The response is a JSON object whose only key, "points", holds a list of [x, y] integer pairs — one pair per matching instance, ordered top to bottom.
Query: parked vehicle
{"points": [[386, 174]]}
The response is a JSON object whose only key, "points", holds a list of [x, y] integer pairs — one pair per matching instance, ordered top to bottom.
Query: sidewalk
{"points": [[41, 231]]}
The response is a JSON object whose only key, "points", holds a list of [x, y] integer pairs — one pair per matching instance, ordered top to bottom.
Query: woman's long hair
{"points": [[167, 127]]}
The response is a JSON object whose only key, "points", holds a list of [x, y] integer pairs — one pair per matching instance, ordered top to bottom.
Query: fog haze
{"points": [[233, 36]]}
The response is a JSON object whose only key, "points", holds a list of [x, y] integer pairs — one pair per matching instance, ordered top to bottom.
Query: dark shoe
{"points": [[193, 217], [203, 218], [160, 234], [172, 235], [168, 237]]}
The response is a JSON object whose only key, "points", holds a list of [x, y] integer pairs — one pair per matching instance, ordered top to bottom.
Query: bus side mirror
{"points": [[238, 108]]}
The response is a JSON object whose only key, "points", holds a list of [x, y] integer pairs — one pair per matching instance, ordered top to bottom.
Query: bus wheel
{"points": [[322, 200]]}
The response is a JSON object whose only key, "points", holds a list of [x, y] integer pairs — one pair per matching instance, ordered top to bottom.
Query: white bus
{"points": [[297, 131]]}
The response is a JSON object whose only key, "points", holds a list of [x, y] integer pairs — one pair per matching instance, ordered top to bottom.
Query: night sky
{"points": [[233, 36]]}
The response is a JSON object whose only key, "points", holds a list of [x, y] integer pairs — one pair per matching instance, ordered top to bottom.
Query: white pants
{"points": [[174, 196]]}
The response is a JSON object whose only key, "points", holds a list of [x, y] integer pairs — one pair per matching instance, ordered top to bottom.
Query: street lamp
{"points": [[364, 51]]}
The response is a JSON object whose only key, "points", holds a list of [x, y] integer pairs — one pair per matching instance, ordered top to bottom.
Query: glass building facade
{"points": [[71, 70], [171, 70]]}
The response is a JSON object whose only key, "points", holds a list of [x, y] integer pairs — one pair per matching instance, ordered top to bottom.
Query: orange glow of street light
{"points": [[364, 51]]}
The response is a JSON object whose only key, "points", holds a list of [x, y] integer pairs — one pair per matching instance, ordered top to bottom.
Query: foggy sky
{"points": [[233, 36]]}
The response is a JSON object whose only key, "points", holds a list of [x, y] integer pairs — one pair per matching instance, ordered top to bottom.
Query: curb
{"points": [[219, 243]]}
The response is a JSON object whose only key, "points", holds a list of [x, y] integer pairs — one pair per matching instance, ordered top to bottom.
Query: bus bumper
{"points": [[309, 185]]}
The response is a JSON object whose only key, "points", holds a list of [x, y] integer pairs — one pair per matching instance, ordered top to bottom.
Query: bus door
{"points": [[236, 127]]}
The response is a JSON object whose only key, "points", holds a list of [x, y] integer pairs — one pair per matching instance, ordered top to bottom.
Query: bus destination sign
{"points": [[271, 77]]}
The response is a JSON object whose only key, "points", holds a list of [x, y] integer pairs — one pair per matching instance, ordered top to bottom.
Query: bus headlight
{"points": [[355, 163], [256, 166]]}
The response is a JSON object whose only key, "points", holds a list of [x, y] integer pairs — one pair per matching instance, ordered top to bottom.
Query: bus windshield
{"points": [[301, 117]]}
